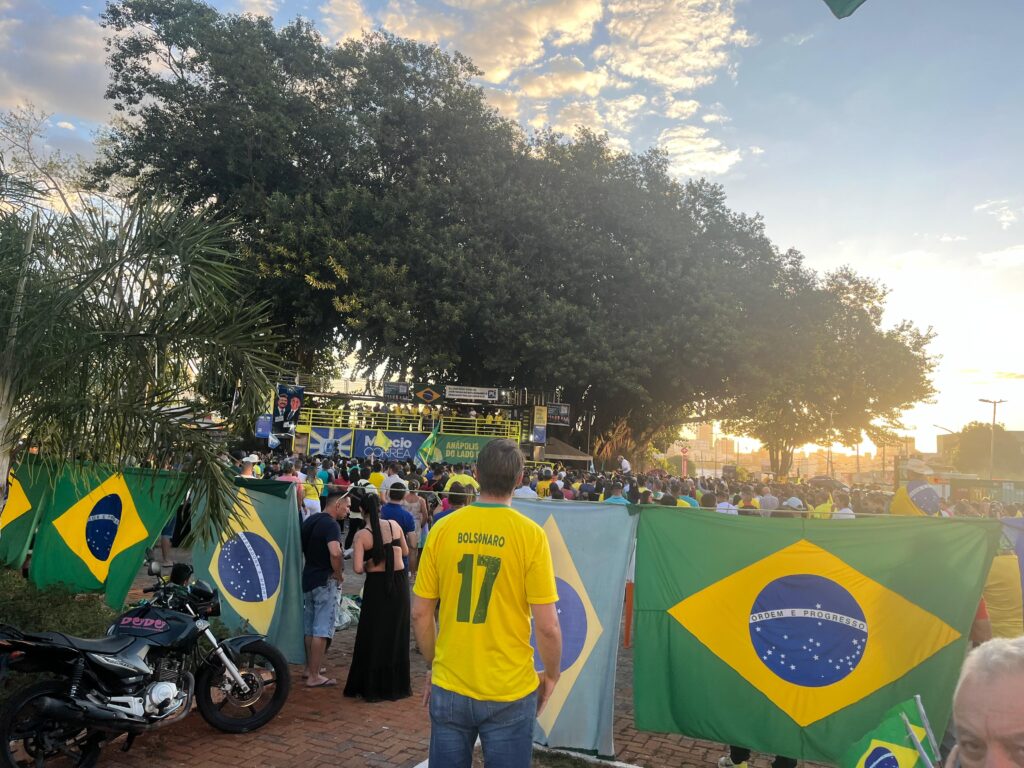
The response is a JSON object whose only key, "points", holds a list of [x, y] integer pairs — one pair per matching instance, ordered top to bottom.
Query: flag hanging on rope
{"points": [[27, 491], [96, 528], [590, 548], [257, 568], [794, 636]]}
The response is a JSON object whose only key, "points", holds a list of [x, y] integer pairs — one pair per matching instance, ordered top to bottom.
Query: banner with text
{"points": [[484, 394], [378, 444], [458, 449]]}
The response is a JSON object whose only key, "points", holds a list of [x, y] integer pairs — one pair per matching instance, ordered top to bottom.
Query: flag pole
{"points": [[927, 727], [916, 741]]}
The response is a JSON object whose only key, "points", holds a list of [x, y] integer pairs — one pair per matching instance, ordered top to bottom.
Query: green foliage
{"points": [[389, 212], [108, 309], [973, 448], [38, 610]]}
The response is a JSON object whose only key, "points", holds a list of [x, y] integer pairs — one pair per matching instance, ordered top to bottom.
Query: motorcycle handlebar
{"points": [[149, 590]]}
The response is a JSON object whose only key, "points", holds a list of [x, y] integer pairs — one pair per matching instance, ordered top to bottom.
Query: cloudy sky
{"points": [[889, 141]]}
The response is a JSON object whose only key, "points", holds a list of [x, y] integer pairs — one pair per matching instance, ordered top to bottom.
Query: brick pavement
{"points": [[320, 727]]}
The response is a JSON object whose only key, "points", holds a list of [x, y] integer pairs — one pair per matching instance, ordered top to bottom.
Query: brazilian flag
{"points": [[843, 8], [28, 489], [97, 525], [257, 566], [793, 636], [889, 744]]}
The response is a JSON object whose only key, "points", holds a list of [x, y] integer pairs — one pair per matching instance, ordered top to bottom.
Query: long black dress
{"points": [[380, 659]]}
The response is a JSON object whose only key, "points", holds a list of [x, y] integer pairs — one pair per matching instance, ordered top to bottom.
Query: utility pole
{"points": [[992, 437]]}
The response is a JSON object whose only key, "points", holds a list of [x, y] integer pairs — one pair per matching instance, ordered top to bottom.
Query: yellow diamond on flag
{"points": [[382, 441], [17, 503], [102, 525], [247, 567], [579, 623], [810, 632], [882, 754]]}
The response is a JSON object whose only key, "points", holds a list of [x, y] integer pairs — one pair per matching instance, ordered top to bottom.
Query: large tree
{"points": [[841, 375], [974, 450]]}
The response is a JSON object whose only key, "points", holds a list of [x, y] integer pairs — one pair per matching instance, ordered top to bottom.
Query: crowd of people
{"points": [[411, 417], [380, 515]]}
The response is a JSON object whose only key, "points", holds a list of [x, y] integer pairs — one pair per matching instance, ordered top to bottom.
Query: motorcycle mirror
{"points": [[155, 569]]}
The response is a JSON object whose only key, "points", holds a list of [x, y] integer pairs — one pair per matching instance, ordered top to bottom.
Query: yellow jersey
{"points": [[377, 479], [313, 486], [543, 489], [487, 564], [1003, 597]]}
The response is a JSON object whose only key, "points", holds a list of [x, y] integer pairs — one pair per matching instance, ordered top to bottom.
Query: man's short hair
{"points": [[393, 465], [499, 466], [617, 486], [396, 492], [708, 500], [995, 658]]}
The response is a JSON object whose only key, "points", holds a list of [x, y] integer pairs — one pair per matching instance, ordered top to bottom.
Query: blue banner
{"points": [[324, 440], [378, 444], [590, 547]]}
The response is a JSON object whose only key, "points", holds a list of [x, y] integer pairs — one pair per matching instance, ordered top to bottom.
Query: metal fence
{"points": [[350, 418]]}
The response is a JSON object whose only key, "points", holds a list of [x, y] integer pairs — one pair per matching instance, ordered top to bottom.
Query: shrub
{"points": [[35, 610]]}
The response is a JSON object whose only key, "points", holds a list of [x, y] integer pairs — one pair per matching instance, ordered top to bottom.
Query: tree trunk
{"points": [[781, 458]]}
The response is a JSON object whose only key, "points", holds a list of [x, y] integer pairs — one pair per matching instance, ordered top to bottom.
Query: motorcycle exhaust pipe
{"points": [[79, 711]]}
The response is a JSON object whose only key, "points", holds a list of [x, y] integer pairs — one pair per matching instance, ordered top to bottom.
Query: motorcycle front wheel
{"points": [[227, 708], [29, 737]]}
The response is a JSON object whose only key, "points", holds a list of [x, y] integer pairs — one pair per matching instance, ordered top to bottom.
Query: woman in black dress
{"points": [[380, 660]]}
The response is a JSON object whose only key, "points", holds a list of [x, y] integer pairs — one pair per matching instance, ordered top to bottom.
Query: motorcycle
{"points": [[145, 674]]}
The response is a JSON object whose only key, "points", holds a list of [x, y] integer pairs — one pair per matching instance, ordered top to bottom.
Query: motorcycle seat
{"points": [[106, 645]]}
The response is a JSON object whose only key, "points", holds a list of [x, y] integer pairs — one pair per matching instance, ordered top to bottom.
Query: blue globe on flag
{"points": [[924, 496], [101, 526], [249, 568], [572, 617], [808, 630], [881, 757]]}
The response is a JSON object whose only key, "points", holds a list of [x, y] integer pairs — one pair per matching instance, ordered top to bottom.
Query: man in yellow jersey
{"points": [[491, 569]]}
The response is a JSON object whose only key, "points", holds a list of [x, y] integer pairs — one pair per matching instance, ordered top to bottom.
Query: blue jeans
{"points": [[318, 609], [505, 729]]}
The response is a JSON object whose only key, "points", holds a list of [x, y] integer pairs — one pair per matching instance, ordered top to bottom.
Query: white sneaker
{"points": [[348, 554]]}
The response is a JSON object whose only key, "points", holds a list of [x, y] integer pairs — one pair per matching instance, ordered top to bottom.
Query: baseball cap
{"points": [[252, 458]]}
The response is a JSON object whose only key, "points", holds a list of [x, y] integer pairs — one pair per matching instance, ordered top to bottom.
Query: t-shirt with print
{"points": [[487, 564]]}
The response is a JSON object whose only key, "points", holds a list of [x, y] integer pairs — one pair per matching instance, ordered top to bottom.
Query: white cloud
{"points": [[259, 7], [345, 19], [410, 19], [505, 37], [796, 38], [678, 44], [56, 63], [564, 75], [505, 102], [680, 109], [622, 113], [713, 118], [66, 125], [755, 150], [692, 152], [1001, 210], [951, 238], [1004, 258]]}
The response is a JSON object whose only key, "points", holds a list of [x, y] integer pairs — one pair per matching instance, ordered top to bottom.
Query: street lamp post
{"points": [[992, 436]]}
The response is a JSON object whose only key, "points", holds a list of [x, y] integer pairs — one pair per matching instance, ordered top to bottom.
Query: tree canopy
{"points": [[388, 211], [974, 448]]}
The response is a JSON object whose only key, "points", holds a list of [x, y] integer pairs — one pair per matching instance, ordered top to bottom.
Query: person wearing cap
{"points": [[248, 463], [395, 510], [322, 576]]}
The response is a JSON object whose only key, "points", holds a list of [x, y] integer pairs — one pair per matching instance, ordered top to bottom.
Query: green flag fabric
{"points": [[843, 8], [425, 455], [28, 489], [94, 531], [257, 568], [793, 636], [889, 744]]}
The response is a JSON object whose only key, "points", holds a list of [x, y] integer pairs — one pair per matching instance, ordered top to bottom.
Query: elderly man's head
{"points": [[988, 705]]}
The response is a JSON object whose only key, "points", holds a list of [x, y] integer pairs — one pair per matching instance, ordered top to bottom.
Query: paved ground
{"points": [[320, 727]]}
